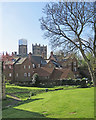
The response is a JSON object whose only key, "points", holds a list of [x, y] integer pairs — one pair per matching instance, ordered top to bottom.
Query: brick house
{"points": [[37, 61], [69, 62], [52, 64], [8, 65], [17, 68], [20, 68], [23, 70], [44, 72], [58, 74]]}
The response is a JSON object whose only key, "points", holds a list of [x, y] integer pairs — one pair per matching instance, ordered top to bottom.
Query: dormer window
{"points": [[75, 63], [75, 69]]}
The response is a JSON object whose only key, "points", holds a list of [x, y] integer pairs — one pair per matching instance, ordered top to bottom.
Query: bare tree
{"points": [[65, 23]]}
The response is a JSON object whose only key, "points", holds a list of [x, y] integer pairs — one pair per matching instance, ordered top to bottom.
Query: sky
{"points": [[21, 20]]}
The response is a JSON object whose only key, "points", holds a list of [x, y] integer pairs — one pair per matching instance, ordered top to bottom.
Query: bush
{"points": [[35, 80]]}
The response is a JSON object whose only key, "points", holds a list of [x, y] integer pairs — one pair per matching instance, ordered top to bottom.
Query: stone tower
{"points": [[22, 47], [39, 50]]}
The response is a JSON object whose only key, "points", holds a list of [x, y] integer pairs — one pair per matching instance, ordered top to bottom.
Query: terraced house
{"points": [[21, 69]]}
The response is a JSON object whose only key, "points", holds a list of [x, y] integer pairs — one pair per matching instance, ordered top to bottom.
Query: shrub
{"points": [[35, 79]]}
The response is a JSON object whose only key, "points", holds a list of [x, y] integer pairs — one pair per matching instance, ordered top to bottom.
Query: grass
{"points": [[24, 92], [72, 103]]}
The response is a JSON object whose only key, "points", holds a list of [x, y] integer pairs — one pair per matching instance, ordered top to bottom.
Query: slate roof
{"points": [[21, 60], [38, 60], [12, 61], [56, 63], [43, 71], [60, 73]]}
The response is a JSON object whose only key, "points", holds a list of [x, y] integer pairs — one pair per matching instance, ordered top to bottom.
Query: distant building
{"points": [[23, 47], [39, 50], [69, 62]]}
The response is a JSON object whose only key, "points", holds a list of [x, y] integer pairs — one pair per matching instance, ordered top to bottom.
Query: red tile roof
{"points": [[43, 72], [60, 73]]}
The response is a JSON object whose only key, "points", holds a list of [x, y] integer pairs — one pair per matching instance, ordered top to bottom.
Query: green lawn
{"points": [[24, 92], [72, 103]]}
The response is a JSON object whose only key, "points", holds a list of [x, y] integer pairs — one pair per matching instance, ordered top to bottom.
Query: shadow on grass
{"points": [[10, 102], [11, 112], [17, 113]]}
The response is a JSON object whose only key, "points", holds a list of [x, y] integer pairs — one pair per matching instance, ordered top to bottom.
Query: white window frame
{"points": [[75, 63], [33, 65], [10, 66], [24, 66], [29, 66], [75, 69], [10, 74], [16, 74], [25, 74], [28, 74]]}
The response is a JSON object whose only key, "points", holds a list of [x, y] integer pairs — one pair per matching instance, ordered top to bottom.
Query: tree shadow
{"points": [[11, 102], [14, 113], [17, 113]]}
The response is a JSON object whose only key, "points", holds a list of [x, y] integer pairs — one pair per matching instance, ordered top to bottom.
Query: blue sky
{"points": [[21, 20]]}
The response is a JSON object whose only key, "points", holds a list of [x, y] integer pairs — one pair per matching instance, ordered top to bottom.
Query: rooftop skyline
{"points": [[21, 20]]}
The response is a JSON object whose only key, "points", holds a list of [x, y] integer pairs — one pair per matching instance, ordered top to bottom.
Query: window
{"points": [[24, 50], [74, 63], [33, 65], [38, 65], [10, 66], [24, 66], [29, 66], [4, 67], [75, 69], [10, 74], [25, 74], [28, 74], [17, 75]]}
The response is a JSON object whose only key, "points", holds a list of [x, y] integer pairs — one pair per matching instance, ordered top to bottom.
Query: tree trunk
{"points": [[92, 73], [3, 84]]}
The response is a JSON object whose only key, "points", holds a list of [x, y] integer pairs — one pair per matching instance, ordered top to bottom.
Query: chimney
{"points": [[12, 53], [15, 53], [51, 53], [7, 54], [29, 56]]}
